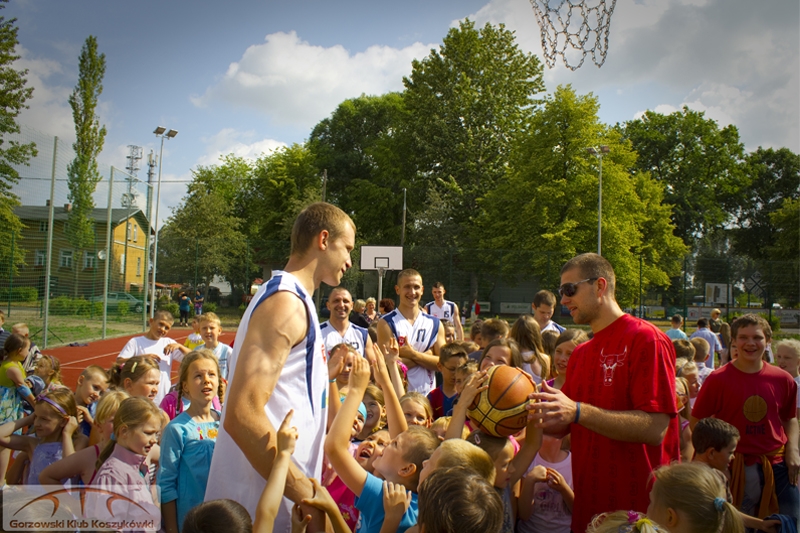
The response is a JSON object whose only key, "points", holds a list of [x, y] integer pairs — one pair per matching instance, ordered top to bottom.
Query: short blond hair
{"points": [[209, 317], [21, 329], [459, 452]]}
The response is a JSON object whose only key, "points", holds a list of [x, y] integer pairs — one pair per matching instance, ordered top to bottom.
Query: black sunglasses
{"points": [[569, 289]]}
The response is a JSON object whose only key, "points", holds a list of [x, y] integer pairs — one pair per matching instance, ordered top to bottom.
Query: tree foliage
{"points": [[13, 95], [466, 103], [698, 164], [82, 172]]}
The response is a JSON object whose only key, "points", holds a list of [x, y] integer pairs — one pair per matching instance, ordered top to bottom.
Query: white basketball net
{"points": [[581, 25]]}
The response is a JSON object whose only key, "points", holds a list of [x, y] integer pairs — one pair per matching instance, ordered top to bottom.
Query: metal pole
{"points": [[600, 207], [155, 225], [403, 237], [109, 251], [196, 258], [49, 259], [11, 273], [145, 283], [318, 299], [641, 303]]}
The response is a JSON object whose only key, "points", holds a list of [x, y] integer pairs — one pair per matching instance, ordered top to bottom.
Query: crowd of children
{"points": [[397, 460]]}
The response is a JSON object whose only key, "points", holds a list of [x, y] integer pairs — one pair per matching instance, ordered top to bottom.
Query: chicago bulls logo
{"points": [[610, 363]]}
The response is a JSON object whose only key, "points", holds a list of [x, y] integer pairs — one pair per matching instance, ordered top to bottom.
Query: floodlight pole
{"points": [[159, 132], [599, 153], [381, 272]]}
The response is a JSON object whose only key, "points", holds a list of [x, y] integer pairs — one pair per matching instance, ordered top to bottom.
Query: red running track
{"points": [[74, 359]]}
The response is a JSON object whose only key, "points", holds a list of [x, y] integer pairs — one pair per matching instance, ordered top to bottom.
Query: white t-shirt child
{"points": [[144, 346], [550, 512]]}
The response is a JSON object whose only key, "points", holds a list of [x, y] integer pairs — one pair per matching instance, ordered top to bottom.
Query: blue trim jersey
{"points": [[446, 312], [355, 336], [422, 336], [302, 386]]}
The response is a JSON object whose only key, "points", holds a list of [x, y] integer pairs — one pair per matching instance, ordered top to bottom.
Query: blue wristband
{"points": [[24, 392], [577, 412]]}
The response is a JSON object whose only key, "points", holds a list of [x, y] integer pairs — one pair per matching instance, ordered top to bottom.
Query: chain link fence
{"points": [[67, 292]]}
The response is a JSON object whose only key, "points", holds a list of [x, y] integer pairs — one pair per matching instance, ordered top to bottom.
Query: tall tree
{"points": [[13, 95], [466, 102], [698, 164], [82, 173], [773, 178], [549, 201]]}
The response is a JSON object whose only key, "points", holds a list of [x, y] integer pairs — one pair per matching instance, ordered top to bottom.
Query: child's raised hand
{"points": [[391, 350], [336, 363], [359, 375], [473, 386], [83, 414], [71, 426], [287, 435], [537, 474], [555, 480], [322, 499], [396, 499], [300, 520]]}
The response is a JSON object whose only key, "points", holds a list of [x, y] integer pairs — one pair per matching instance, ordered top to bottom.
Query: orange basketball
{"points": [[500, 409]]}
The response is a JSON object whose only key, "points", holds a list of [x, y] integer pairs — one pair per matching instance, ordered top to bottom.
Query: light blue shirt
{"points": [[676, 334], [222, 351], [186, 450], [370, 503]]}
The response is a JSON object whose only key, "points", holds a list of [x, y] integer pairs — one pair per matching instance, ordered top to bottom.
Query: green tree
{"points": [[13, 95], [466, 102], [698, 164], [82, 172], [773, 178], [548, 203]]}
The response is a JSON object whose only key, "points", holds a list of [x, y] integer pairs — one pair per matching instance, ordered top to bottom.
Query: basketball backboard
{"points": [[381, 258]]}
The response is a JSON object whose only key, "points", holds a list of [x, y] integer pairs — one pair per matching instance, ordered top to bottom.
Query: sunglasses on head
{"points": [[569, 289]]}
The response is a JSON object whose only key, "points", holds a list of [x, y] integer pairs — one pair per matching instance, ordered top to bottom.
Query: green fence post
{"points": [[196, 259], [11, 273], [641, 306], [685, 308]]}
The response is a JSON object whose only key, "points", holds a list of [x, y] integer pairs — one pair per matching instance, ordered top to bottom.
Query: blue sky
{"points": [[248, 76]]}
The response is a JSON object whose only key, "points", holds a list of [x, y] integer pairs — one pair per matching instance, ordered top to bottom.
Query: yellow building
{"points": [[80, 272]]}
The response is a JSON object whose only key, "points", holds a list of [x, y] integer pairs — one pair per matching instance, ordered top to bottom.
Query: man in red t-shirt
{"points": [[619, 398], [759, 400]]}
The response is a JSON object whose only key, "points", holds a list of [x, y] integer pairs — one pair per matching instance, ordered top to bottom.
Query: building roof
{"points": [[99, 215]]}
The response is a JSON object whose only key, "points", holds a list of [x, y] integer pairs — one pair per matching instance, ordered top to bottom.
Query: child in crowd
{"points": [[210, 330], [449, 331], [475, 331], [4, 333], [675, 333], [195, 338], [549, 340], [565, 345], [158, 346], [701, 348], [684, 350], [500, 352], [787, 356], [451, 357], [700, 358], [536, 363], [29, 364], [48, 369], [690, 371], [462, 375], [138, 376], [343, 378], [92, 383], [12, 389], [760, 400], [374, 401], [417, 409], [684, 414], [137, 424], [441, 424], [55, 425], [188, 441], [715, 442], [459, 452], [400, 462], [81, 464], [509, 468], [546, 496], [690, 498], [447, 503], [623, 521]]}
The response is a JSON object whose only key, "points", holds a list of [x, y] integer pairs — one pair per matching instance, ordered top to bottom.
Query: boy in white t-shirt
{"points": [[210, 330], [156, 344], [787, 356], [546, 496]]}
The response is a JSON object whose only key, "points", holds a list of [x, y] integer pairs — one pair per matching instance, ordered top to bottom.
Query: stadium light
{"points": [[159, 132], [599, 153]]}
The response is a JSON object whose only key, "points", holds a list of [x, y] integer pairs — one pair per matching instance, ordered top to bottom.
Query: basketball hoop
{"points": [[581, 25]]}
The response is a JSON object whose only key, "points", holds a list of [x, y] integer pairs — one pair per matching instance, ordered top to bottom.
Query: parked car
{"points": [[115, 298]]}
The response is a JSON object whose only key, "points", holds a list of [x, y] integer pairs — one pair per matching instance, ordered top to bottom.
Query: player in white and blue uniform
{"points": [[444, 309], [339, 329], [419, 334], [279, 361]]}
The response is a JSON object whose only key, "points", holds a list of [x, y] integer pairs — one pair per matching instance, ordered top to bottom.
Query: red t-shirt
{"points": [[627, 366], [756, 404]]}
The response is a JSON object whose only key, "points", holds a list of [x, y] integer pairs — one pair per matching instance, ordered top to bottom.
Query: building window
{"points": [[43, 226], [135, 233], [128, 234], [39, 258], [65, 259], [89, 260], [122, 264], [138, 266]]}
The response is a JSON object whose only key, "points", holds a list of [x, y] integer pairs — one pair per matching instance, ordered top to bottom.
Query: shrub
{"points": [[19, 294], [62, 305], [82, 307], [123, 308], [173, 308], [210, 308], [242, 309]]}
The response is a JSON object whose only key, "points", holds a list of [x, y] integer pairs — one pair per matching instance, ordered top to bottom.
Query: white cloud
{"points": [[734, 59], [297, 83], [49, 110], [229, 141]]}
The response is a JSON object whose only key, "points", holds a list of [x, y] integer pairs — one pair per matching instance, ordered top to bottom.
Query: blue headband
{"points": [[362, 409]]}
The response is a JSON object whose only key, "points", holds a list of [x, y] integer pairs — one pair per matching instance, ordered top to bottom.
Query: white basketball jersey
{"points": [[446, 312], [421, 335], [355, 336], [302, 386]]}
